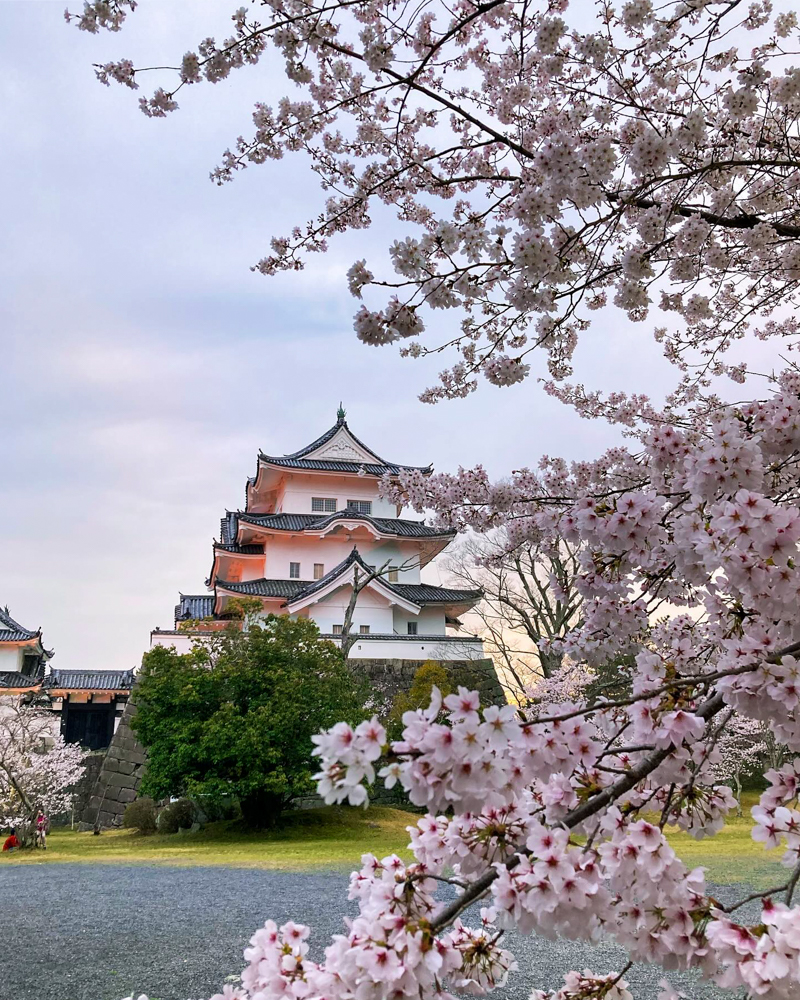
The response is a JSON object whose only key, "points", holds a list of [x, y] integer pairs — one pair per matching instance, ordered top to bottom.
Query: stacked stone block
{"points": [[120, 776]]}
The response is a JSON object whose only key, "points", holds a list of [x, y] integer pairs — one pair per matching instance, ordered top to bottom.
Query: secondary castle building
{"points": [[311, 521], [87, 704]]}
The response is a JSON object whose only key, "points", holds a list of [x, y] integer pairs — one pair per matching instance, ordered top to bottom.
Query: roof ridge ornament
{"points": [[341, 413]]}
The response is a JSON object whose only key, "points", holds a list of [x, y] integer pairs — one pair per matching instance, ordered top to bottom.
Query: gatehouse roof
{"points": [[88, 680], [18, 681]]}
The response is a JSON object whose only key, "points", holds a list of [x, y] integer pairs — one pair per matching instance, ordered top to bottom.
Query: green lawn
{"points": [[336, 837], [317, 838], [732, 855]]}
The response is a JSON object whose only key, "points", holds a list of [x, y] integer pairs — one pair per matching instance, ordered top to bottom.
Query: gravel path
{"points": [[102, 932]]}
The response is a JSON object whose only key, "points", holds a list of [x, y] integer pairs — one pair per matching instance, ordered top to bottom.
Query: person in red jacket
{"points": [[11, 842]]}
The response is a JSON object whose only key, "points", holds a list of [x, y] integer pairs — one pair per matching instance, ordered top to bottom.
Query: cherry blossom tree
{"points": [[546, 161], [552, 162], [740, 752], [38, 770]]}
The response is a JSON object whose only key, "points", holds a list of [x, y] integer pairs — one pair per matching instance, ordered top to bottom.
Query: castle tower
{"points": [[310, 519]]}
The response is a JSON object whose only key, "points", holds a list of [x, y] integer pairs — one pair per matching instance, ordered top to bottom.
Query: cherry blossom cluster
{"points": [[538, 187], [347, 757], [777, 816], [559, 824], [388, 951], [765, 959], [585, 985]]}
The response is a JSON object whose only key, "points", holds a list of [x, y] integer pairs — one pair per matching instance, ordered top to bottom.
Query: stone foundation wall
{"points": [[118, 782]]}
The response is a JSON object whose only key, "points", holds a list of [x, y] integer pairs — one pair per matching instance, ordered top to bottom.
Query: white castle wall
{"points": [[298, 490], [329, 551], [10, 658]]}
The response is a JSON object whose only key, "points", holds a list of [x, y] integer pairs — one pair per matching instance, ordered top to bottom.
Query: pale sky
{"points": [[144, 364]]}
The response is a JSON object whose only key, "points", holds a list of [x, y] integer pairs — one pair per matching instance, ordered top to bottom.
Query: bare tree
{"points": [[362, 577], [529, 601]]}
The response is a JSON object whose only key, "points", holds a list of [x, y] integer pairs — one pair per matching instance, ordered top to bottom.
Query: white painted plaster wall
{"points": [[297, 491], [330, 551], [371, 609], [430, 621], [182, 643], [425, 648], [388, 649], [10, 658]]}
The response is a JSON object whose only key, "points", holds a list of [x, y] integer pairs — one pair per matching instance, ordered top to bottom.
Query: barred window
{"points": [[323, 505], [360, 506], [294, 571], [319, 571], [412, 628], [337, 629], [363, 629]]}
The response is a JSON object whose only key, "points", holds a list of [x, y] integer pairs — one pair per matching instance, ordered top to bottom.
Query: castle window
{"points": [[324, 505], [360, 506], [294, 571], [319, 571], [392, 574], [412, 628], [337, 629], [363, 629], [30, 664]]}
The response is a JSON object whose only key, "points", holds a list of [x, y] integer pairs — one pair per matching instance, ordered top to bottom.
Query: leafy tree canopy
{"points": [[236, 715]]}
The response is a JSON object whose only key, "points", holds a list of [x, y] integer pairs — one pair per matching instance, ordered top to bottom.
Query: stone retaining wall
{"points": [[118, 782]]}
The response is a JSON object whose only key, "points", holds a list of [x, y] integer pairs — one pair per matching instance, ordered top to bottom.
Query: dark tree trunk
{"points": [[261, 810]]}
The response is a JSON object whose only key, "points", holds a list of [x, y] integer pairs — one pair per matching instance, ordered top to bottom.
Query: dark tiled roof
{"points": [[324, 438], [297, 459], [337, 465], [279, 522], [313, 522], [386, 525], [226, 535], [352, 560], [265, 588], [417, 593], [423, 593], [194, 606], [12, 631], [16, 635], [12, 679], [89, 680]]}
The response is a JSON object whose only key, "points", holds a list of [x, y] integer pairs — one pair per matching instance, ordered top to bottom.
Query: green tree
{"points": [[236, 715]]}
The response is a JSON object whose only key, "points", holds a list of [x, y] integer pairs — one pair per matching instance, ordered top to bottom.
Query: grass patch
{"points": [[333, 837], [336, 837], [732, 855]]}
